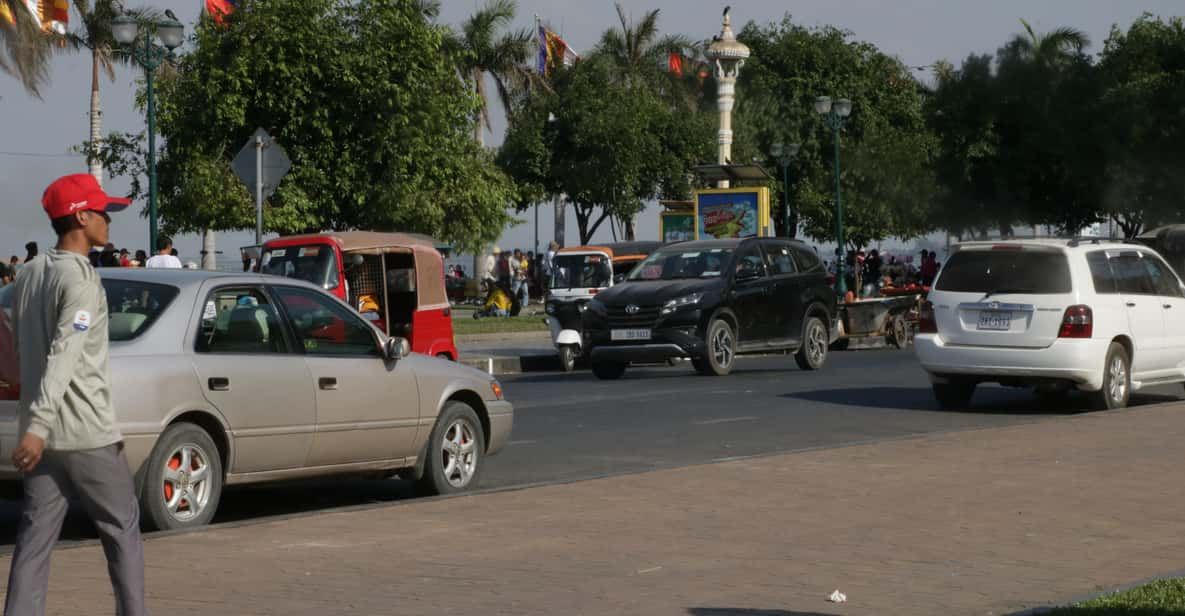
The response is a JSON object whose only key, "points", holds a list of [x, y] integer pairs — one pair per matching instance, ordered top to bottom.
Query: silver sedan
{"points": [[223, 379]]}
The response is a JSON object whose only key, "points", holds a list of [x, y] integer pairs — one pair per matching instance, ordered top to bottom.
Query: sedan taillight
{"points": [[1078, 322], [927, 324]]}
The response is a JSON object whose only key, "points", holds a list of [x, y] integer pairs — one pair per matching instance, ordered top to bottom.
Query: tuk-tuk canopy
{"points": [[1169, 238], [617, 250], [429, 262]]}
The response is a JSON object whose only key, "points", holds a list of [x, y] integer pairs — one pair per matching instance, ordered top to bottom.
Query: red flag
{"points": [[219, 9], [675, 63]]}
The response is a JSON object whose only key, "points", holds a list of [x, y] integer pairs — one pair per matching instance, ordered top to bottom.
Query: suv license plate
{"points": [[995, 320], [629, 334]]}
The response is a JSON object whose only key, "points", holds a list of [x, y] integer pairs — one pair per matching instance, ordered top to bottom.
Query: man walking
{"points": [[164, 257], [70, 445]]}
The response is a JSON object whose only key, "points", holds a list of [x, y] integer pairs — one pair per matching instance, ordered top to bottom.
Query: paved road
{"points": [[572, 426]]}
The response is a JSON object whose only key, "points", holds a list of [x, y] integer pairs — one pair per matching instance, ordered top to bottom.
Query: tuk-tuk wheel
{"points": [[567, 357]]}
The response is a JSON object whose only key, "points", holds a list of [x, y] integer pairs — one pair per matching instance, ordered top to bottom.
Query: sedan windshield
{"points": [[313, 263], [685, 263]]}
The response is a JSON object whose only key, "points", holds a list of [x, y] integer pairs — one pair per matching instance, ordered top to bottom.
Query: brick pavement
{"points": [[982, 522]]}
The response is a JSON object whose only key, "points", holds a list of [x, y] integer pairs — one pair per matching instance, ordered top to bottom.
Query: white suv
{"points": [[1100, 316]]}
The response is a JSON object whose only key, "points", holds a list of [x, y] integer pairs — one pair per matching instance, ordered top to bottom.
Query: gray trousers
{"points": [[101, 481]]}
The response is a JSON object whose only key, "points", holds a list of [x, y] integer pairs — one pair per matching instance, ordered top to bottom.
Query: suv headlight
{"points": [[681, 302], [596, 306], [550, 308]]}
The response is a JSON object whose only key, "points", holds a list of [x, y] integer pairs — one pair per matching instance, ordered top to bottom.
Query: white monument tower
{"points": [[727, 55]]}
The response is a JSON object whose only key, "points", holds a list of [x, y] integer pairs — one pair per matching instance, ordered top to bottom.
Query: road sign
{"points": [[275, 162], [261, 164]]}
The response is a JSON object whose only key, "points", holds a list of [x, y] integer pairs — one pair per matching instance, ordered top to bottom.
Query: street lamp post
{"points": [[126, 31], [727, 55], [835, 115], [784, 154]]}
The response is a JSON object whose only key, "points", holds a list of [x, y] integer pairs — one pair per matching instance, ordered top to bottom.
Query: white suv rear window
{"points": [[1005, 271]]}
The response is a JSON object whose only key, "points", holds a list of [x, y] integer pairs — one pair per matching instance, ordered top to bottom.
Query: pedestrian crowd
{"points": [[108, 256], [867, 274], [511, 279]]}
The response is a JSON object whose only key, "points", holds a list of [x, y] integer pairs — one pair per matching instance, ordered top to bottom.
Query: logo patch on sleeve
{"points": [[82, 320]]}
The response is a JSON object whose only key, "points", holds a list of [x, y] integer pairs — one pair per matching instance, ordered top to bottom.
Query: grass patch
{"points": [[465, 324], [1161, 598]]}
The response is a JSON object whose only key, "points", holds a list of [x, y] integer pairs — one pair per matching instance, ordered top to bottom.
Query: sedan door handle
{"points": [[1131, 304], [1168, 305], [327, 382], [218, 383]]}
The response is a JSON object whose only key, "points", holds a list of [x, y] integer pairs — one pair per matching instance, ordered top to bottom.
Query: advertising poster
{"points": [[732, 213], [678, 226]]}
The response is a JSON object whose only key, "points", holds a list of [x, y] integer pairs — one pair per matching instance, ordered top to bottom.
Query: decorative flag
{"points": [[34, 7], [220, 9], [51, 15], [553, 48], [675, 63]]}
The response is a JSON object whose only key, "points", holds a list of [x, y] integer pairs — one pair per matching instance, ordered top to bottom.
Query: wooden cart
{"points": [[893, 318]]}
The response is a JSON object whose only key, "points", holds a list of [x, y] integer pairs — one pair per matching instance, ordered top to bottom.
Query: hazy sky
{"points": [[37, 134]]}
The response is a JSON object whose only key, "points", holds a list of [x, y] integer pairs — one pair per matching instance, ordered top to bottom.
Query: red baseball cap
{"points": [[78, 192]]}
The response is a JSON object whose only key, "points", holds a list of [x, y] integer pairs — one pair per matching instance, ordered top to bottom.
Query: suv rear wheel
{"points": [[720, 346], [813, 352], [1117, 380]]}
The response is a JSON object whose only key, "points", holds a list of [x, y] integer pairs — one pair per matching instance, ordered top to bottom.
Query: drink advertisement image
{"points": [[729, 215]]}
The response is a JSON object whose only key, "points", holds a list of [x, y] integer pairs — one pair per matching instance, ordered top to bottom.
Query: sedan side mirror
{"points": [[396, 348]]}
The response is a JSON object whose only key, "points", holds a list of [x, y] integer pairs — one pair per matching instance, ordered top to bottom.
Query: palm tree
{"points": [[94, 34], [1053, 48], [24, 50], [479, 50], [637, 50]]}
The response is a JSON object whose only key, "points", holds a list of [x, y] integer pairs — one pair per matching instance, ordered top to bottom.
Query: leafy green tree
{"points": [[94, 35], [1057, 47], [480, 50], [24, 51], [637, 52], [962, 111], [1142, 118], [375, 121], [606, 147], [887, 181]]}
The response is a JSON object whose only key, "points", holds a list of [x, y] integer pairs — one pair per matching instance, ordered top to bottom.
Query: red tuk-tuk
{"points": [[396, 280]]}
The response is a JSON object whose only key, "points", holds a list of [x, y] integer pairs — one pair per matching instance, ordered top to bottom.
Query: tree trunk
{"points": [[95, 165], [629, 230], [209, 250]]}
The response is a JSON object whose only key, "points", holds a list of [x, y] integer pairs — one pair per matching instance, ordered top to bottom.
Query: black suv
{"points": [[710, 300]]}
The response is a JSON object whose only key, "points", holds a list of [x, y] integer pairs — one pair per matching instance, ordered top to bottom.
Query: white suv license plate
{"points": [[995, 320], [629, 334]]}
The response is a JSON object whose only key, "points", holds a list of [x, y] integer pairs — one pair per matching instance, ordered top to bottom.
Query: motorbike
{"points": [[577, 275]]}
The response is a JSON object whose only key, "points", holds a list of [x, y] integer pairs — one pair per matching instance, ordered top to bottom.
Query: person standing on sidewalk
{"points": [[164, 258], [69, 444]]}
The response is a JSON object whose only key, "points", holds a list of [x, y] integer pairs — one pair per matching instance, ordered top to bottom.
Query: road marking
{"points": [[708, 422], [522, 442], [650, 570]]}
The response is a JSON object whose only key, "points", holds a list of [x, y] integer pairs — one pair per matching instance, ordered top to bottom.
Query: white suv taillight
{"points": [[926, 322], [1078, 322]]}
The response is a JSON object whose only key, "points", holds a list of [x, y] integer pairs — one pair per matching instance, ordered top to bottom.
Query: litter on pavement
{"points": [[837, 597]]}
